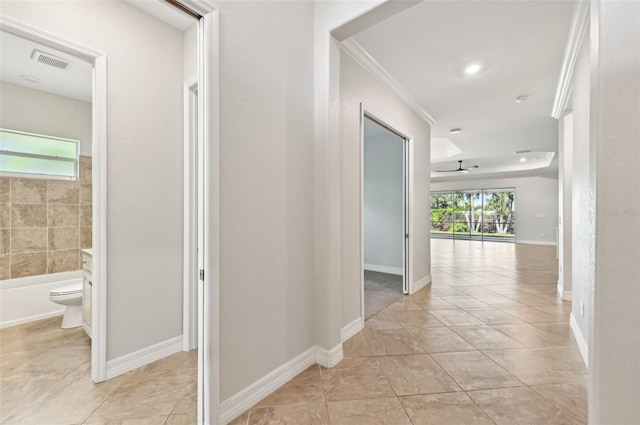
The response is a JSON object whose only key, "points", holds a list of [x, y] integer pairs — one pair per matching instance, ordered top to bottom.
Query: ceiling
{"points": [[165, 13], [520, 47], [15, 60]]}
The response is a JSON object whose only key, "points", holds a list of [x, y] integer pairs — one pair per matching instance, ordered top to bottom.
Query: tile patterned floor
{"points": [[487, 343], [45, 379]]}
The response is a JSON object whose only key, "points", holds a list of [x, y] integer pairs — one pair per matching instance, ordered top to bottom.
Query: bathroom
{"points": [[45, 197]]}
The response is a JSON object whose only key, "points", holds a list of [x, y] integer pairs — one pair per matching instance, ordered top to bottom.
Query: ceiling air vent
{"points": [[48, 59], [522, 152]]}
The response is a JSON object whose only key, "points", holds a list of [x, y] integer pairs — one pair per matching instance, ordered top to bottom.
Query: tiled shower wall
{"points": [[44, 223]]}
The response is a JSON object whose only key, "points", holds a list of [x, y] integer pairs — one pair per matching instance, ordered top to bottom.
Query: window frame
{"points": [[44, 176]]}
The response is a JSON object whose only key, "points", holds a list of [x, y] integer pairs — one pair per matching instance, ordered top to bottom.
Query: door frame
{"points": [[98, 61], [367, 112], [208, 142], [190, 211]]}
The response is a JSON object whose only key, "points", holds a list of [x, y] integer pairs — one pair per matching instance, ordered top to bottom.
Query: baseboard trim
{"points": [[529, 242], [384, 269], [421, 284], [560, 287], [565, 295], [22, 321], [351, 329], [582, 345], [144, 356], [329, 358], [237, 404]]}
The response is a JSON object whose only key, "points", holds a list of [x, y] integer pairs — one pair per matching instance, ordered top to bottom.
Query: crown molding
{"points": [[200, 7], [576, 35], [364, 59]]}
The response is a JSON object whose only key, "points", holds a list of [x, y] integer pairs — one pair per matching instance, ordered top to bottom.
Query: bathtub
{"points": [[26, 299]]}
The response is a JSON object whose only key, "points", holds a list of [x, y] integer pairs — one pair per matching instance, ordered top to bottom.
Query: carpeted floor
{"points": [[380, 291]]}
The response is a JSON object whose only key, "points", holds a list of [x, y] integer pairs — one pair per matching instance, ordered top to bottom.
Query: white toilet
{"points": [[70, 296]]}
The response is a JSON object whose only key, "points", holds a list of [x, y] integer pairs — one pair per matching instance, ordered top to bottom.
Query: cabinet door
{"points": [[86, 303]]}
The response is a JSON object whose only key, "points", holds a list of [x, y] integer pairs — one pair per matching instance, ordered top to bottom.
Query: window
{"points": [[25, 154], [481, 214]]}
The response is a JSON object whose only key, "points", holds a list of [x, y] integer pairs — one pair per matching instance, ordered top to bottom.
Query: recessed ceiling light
{"points": [[472, 68], [30, 79], [521, 99], [455, 131], [523, 159]]}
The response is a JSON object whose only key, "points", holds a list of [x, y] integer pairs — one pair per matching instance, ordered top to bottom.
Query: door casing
{"points": [[367, 112]]}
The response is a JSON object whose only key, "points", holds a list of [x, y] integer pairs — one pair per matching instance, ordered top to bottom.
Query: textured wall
{"points": [[266, 175], [582, 196], [44, 223], [615, 340]]}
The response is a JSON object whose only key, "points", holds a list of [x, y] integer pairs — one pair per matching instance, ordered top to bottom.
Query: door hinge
{"points": [[406, 235], [201, 274]]}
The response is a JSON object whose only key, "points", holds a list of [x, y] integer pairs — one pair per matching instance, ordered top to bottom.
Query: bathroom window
{"points": [[35, 155]]}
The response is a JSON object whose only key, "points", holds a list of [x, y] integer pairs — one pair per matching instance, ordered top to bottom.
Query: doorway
{"points": [[384, 215]]}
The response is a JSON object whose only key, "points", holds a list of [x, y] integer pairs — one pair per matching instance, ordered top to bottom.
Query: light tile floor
{"points": [[488, 342], [45, 379]]}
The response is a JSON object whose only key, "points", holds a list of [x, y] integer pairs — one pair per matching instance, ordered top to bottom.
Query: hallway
{"points": [[487, 343]]}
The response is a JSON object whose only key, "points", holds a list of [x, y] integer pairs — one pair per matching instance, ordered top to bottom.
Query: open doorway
{"points": [[384, 216]]}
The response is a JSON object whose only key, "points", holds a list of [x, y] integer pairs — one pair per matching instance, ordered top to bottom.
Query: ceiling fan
{"points": [[458, 170]]}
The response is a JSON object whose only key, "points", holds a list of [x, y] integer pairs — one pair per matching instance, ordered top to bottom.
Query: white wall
{"points": [[190, 41], [356, 87], [34, 111], [144, 164], [565, 177], [582, 200], [267, 201], [536, 203], [383, 211], [615, 341]]}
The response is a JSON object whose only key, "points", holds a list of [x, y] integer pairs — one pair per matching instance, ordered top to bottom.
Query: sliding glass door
{"points": [[477, 214]]}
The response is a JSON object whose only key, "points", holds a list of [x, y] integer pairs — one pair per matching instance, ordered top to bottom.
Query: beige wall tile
{"points": [[85, 169], [5, 189], [86, 190], [28, 191], [63, 192], [28, 215], [37, 215], [64, 215], [85, 215], [5, 216], [64, 238], [86, 239], [27, 240], [5, 241], [63, 260], [29, 264], [5, 266]]}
